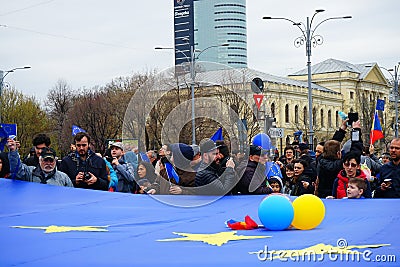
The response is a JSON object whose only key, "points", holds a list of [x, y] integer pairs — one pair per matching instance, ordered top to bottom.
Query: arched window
{"points": [[273, 110], [287, 113], [296, 114], [314, 114], [305, 115], [322, 118], [337, 118], [329, 119]]}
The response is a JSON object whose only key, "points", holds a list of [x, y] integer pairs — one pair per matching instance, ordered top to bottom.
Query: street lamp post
{"points": [[309, 38], [192, 71], [3, 75], [395, 78]]}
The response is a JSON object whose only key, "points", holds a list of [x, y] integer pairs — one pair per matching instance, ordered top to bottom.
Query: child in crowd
{"points": [[288, 177], [275, 183], [356, 187]]}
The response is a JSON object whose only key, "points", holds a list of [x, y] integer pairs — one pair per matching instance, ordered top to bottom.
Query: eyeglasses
{"points": [[51, 160], [347, 164]]}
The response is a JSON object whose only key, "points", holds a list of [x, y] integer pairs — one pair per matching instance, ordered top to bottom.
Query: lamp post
{"points": [[309, 37], [192, 71], [3, 75], [395, 78]]}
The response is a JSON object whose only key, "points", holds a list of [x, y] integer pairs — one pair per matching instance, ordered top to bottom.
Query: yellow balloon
{"points": [[309, 211]]}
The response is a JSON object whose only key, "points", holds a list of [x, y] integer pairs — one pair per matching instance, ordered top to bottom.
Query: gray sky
{"points": [[90, 42]]}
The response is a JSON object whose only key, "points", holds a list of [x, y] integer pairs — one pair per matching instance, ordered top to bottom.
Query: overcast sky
{"points": [[90, 42]]}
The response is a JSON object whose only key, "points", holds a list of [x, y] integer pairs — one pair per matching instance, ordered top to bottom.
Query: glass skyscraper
{"points": [[214, 22]]}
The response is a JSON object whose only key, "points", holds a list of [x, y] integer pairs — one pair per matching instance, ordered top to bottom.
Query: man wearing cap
{"points": [[85, 168], [124, 170], [44, 173], [207, 180], [253, 180]]}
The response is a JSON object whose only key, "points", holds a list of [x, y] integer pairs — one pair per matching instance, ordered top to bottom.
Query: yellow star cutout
{"points": [[62, 229], [217, 239], [318, 249]]}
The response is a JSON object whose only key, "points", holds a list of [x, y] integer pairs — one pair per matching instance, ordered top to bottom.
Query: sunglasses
{"points": [[51, 160], [347, 164]]}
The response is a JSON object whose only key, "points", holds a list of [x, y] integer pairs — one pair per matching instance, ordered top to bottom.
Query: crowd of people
{"points": [[333, 170]]}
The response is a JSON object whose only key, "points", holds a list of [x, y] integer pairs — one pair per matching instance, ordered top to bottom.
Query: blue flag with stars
{"points": [[380, 104]]}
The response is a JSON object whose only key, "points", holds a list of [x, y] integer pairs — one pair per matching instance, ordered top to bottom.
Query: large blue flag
{"points": [[76, 129], [217, 135], [171, 172]]}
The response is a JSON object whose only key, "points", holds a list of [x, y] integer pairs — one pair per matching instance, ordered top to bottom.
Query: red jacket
{"points": [[342, 181]]}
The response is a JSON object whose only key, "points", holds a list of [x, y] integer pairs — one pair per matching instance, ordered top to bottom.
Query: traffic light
{"points": [[257, 85], [271, 122]]}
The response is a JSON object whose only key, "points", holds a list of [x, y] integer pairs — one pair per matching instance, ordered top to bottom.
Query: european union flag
{"points": [[380, 104], [10, 129], [76, 129], [217, 135], [273, 169], [171, 172]]}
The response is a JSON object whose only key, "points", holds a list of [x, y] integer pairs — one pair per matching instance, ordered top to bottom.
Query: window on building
{"points": [[351, 95], [273, 110], [287, 113], [296, 114], [314, 114], [305, 115], [322, 118], [337, 118], [330, 119]]}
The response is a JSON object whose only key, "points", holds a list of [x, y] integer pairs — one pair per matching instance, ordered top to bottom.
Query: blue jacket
{"points": [[72, 164], [126, 178]]}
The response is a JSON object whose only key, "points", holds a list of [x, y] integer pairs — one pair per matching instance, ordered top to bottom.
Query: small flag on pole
{"points": [[380, 104], [76, 129], [376, 131], [217, 135], [171, 172]]}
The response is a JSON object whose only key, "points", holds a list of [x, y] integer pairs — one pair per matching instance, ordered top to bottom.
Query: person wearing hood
{"points": [[351, 169]]}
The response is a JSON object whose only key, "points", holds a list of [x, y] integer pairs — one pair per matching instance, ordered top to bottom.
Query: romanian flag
{"points": [[376, 131]]}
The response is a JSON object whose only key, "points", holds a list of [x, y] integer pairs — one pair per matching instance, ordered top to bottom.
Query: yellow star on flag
{"points": [[62, 229], [217, 239]]}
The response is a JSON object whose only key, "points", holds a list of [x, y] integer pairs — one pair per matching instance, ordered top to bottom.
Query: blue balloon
{"points": [[262, 140], [276, 212]]}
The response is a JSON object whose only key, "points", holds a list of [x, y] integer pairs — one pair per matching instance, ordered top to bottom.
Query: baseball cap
{"points": [[117, 144], [207, 145], [48, 152]]}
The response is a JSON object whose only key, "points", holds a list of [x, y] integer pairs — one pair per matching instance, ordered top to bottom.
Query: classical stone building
{"points": [[337, 86]]}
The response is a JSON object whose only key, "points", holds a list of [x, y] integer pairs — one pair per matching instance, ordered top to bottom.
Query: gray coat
{"points": [[35, 174]]}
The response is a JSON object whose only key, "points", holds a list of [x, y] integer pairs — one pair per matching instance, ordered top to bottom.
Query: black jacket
{"points": [[72, 164], [389, 171], [253, 179], [208, 183]]}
